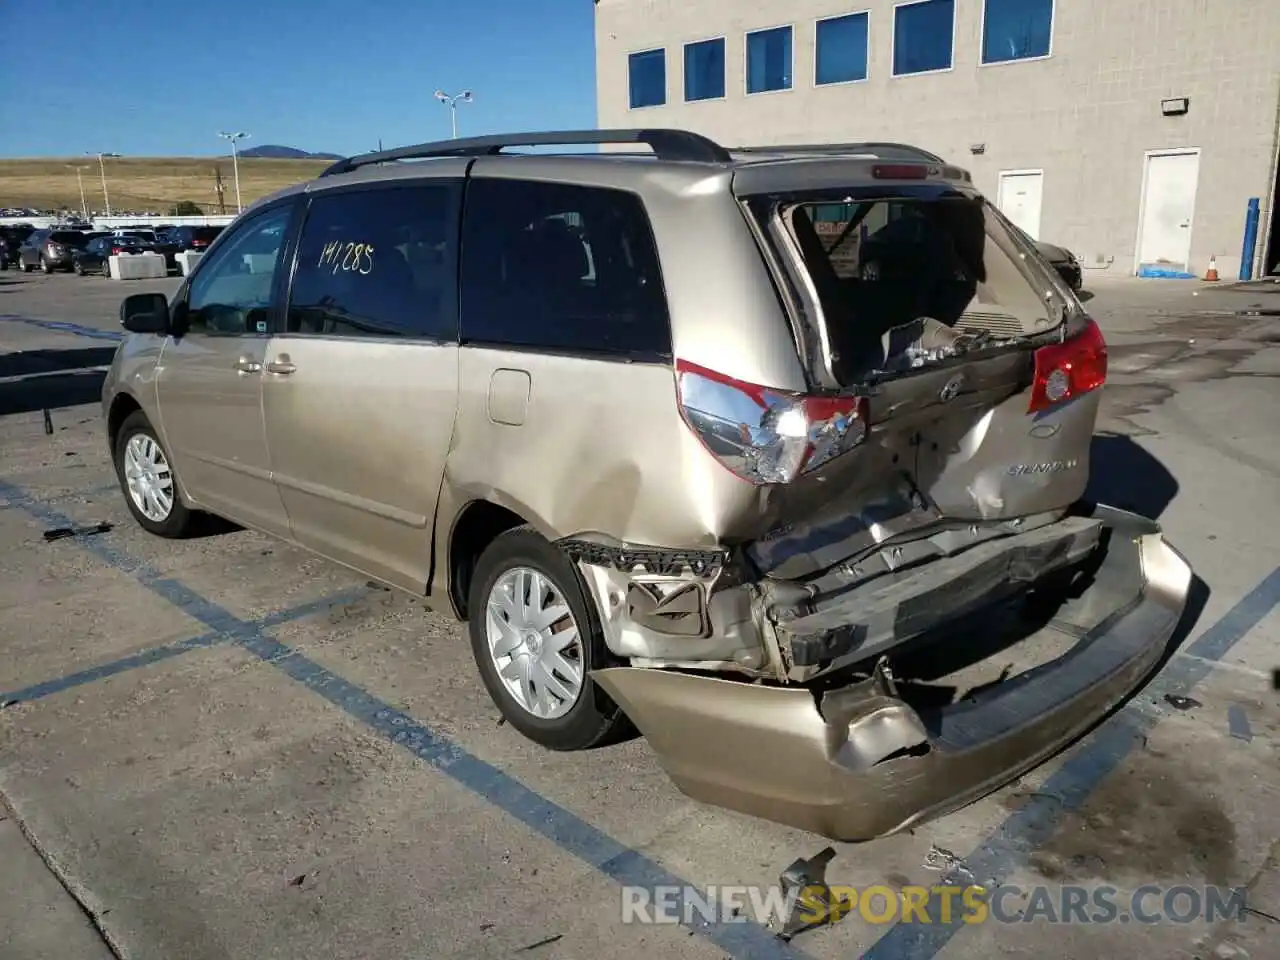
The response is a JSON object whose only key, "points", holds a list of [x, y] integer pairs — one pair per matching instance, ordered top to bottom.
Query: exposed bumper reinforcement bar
{"points": [[859, 762]]}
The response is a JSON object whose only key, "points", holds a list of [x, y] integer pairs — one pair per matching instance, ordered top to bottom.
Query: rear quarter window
{"points": [[561, 268]]}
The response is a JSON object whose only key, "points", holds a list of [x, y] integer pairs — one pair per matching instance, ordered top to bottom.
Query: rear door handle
{"points": [[246, 365], [281, 366]]}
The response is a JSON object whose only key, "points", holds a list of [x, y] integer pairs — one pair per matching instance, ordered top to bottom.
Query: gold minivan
{"points": [[739, 446]]}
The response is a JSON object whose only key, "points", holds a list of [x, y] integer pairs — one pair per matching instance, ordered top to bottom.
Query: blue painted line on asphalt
{"points": [[63, 326], [152, 655], [566, 830], [1012, 843]]}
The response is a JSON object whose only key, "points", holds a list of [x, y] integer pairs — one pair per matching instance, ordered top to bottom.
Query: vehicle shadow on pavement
{"points": [[50, 379], [1124, 475]]}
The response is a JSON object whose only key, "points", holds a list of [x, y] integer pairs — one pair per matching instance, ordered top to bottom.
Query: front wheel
{"points": [[45, 266], [148, 481], [536, 638]]}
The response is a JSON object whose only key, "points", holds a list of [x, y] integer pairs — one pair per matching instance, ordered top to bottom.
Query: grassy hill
{"points": [[143, 183]]}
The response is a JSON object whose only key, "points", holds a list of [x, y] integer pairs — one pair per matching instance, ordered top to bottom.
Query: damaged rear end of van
{"points": [[936, 606]]}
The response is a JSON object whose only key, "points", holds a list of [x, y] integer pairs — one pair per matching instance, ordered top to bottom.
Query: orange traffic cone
{"points": [[1212, 273]]}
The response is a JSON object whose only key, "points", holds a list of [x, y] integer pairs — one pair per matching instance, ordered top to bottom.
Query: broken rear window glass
{"points": [[918, 273]]}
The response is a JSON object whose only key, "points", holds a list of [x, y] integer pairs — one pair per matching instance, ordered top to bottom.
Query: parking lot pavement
{"points": [[227, 748]]}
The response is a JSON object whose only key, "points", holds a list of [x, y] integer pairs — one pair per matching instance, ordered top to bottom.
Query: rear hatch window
{"points": [[69, 238], [904, 280]]}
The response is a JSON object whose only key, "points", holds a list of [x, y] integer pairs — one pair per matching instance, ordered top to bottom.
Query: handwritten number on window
{"points": [[347, 257]]}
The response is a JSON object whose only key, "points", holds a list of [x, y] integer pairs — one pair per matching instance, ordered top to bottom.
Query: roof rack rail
{"points": [[665, 144], [887, 151]]}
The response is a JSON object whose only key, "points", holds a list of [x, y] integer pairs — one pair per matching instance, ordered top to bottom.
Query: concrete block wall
{"points": [[1085, 115]]}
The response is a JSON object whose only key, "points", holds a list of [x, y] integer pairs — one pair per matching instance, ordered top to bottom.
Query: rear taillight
{"points": [[199, 243], [116, 251], [1069, 369], [764, 435]]}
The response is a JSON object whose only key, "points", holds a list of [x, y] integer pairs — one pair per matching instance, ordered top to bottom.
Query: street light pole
{"points": [[452, 103], [235, 162], [102, 169], [84, 205]]}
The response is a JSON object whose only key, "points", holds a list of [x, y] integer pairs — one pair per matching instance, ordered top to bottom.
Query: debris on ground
{"points": [[48, 422], [61, 533], [1181, 703], [1238, 723], [943, 860], [813, 904], [541, 943]]}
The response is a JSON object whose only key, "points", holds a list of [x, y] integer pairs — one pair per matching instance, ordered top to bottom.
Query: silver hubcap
{"points": [[150, 480], [534, 643]]}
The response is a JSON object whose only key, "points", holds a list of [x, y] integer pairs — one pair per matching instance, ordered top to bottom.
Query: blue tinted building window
{"points": [[1016, 29], [922, 36], [840, 45], [769, 60], [704, 70], [647, 75]]}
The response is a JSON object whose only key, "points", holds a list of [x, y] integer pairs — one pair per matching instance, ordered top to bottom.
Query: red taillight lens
{"points": [[899, 171], [199, 243], [117, 250], [1069, 369], [764, 435]]}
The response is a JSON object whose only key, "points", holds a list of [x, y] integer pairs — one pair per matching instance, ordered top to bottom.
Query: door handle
{"points": [[246, 365], [282, 366]]}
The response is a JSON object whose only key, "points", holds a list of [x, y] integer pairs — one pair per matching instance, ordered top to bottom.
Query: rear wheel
{"points": [[24, 266], [45, 267], [147, 479], [536, 638]]}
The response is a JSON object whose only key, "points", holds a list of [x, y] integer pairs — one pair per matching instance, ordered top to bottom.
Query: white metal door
{"points": [[1019, 198], [1168, 205]]}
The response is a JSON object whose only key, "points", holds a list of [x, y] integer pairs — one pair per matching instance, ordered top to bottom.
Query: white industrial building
{"points": [[1134, 132]]}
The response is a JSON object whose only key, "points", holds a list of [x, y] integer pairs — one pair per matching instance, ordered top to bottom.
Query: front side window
{"points": [[1016, 29], [922, 36], [841, 49], [769, 60], [704, 70], [647, 78], [379, 263], [562, 268], [231, 291]]}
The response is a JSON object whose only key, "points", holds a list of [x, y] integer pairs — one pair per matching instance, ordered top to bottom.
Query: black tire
{"points": [[24, 266], [78, 267], [45, 268], [106, 268], [179, 521], [594, 719]]}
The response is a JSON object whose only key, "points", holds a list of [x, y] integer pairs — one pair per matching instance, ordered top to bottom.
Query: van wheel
{"points": [[148, 481], [536, 638]]}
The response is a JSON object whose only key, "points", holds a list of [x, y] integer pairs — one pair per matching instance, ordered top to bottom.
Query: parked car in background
{"points": [[11, 238], [192, 238], [50, 249], [94, 257], [1062, 260], [671, 460]]}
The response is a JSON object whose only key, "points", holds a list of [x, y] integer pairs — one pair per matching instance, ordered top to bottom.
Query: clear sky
{"points": [[155, 78]]}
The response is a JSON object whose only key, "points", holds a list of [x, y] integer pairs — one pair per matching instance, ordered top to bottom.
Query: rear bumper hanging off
{"points": [[860, 762]]}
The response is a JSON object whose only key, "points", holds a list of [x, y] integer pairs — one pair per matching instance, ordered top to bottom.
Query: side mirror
{"points": [[145, 313]]}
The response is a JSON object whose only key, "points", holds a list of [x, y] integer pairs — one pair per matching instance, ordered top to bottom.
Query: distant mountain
{"points": [[273, 151]]}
